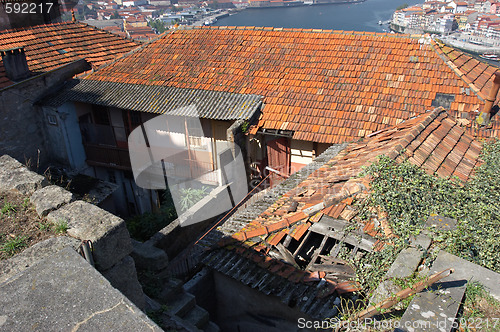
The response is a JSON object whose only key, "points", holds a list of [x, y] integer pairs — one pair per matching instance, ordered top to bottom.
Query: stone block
{"points": [[15, 176], [50, 198], [109, 236], [34, 254], [148, 257], [405, 264], [465, 270], [123, 277], [64, 293], [435, 309]]}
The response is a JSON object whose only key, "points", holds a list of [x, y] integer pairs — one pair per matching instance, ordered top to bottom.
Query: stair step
{"points": [[171, 289], [182, 304], [197, 316], [211, 327]]}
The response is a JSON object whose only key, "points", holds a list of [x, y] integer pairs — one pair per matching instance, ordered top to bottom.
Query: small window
{"points": [[52, 119], [195, 134], [196, 142]]}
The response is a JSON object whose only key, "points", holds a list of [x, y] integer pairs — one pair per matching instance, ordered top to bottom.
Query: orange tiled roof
{"points": [[50, 46], [477, 75], [325, 86], [433, 141]]}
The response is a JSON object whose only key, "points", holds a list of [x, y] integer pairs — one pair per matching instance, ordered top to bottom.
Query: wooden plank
{"points": [[334, 228], [287, 241], [302, 243], [336, 249], [317, 252], [353, 252], [287, 255], [331, 260], [339, 270]]}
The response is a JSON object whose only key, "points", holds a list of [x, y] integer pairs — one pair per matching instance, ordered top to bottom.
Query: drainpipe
{"points": [[483, 119]]}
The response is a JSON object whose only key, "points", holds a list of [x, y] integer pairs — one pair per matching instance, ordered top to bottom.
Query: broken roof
{"points": [[53, 45], [477, 75], [325, 86], [216, 105], [321, 205]]}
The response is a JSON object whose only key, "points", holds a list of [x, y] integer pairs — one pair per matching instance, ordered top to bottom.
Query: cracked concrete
{"points": [[80, 299]]}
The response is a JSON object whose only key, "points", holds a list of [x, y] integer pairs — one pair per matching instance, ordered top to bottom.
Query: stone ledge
{"points": [[15, 176], [50, 198], [109, 236], [34, 254], [148, 257], [123, 276], [64, 293]]}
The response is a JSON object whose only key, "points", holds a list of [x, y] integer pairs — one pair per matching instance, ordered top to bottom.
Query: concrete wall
{"points": [[22, 129], [302, 153], [244, 309]]}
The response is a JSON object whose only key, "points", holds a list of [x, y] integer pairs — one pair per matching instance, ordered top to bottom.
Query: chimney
{"points": [[15, 64], [483, 119]]}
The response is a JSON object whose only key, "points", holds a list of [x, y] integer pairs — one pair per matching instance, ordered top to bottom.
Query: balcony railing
{"points": [[107, 146], [100, 155]]}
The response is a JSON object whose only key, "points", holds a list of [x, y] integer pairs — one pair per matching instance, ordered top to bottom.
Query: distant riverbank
{"points": [[359, 16]]}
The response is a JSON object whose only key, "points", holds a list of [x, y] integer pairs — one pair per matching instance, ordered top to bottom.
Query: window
{"points": [[101, 115], [195, 134]]}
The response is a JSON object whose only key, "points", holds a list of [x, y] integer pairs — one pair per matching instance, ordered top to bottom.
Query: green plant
{"points": [[244, 126], [409, 196], [190, 197], [26, 203], [8, 209], [44, 226], [61, 226], [14, 244], [408, 282], [478, 303]]}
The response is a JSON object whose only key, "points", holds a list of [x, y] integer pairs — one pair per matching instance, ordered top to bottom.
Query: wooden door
{"points": [[278, 158]]}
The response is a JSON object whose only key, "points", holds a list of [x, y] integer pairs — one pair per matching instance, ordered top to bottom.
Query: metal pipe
{"points": [[277, 172], [87, 252]]}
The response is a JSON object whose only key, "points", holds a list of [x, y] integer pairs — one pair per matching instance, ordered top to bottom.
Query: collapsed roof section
{"points": [[291, 249]]}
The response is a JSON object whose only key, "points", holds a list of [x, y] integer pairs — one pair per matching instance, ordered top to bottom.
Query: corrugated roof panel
{"points": [[156, 99]]}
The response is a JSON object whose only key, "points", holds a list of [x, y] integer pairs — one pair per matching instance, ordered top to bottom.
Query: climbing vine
{"points": [[409, 196]]}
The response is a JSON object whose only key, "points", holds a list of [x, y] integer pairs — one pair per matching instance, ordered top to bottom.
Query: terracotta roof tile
{"points": [[52, 45], [307, 78]]}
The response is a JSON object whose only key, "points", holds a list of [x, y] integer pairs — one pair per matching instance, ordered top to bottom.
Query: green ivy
{"points": [[409, 196]]}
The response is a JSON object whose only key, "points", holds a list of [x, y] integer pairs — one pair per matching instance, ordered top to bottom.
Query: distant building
{"points": [[134, 3]]}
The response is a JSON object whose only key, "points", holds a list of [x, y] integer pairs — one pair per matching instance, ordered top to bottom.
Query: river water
{"points": [[363, 16]]}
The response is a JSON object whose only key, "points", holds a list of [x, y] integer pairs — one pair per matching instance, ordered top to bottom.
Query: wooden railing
{"points": [[101, 155]]}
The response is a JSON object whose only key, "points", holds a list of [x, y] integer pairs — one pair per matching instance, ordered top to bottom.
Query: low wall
{"points": [[110, 238]]}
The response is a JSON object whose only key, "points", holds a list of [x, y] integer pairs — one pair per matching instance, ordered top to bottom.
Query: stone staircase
{"points": [[182, 308]]}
